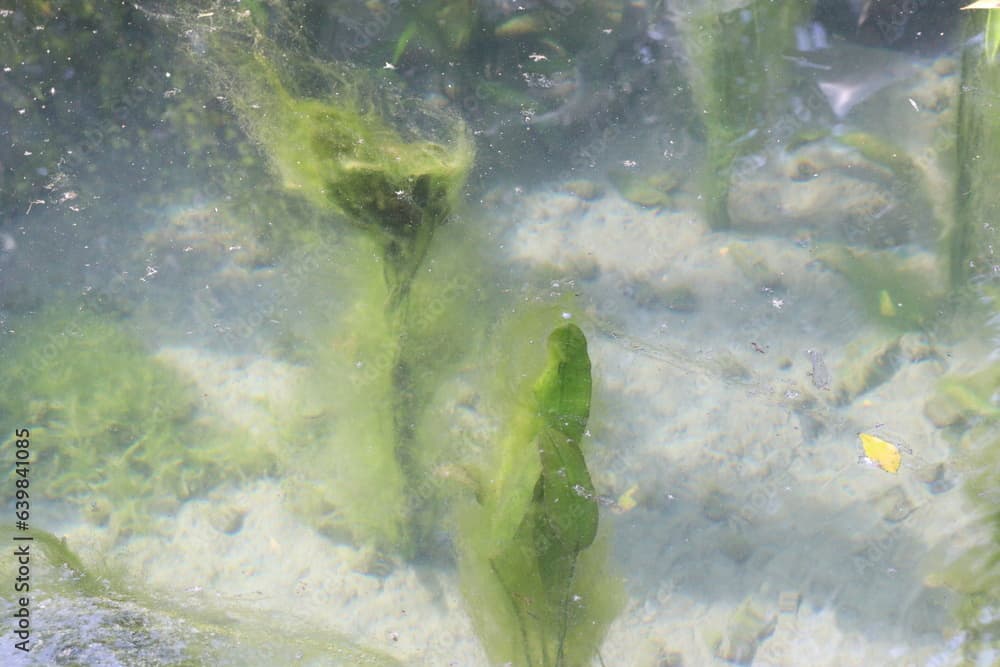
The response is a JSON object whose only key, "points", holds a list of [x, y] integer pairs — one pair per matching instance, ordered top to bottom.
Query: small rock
{"points": [[945, 66], [584, 189], [646, 190], [752, 261], [916, 348], [869, 364], [942, 412], [935, 477], [894, 505], [716, 506], [227, 519], [736, 547], [374, 563], [747, 627]]}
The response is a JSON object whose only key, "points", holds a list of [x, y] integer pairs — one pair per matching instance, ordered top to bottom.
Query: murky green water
{"points": [[290, 368]]}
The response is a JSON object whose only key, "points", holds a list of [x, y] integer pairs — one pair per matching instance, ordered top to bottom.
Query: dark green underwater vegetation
{"points": [[971, 396], [528, 558]]}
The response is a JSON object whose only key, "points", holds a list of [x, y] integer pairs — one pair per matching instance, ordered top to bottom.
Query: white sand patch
{"points": [[245, 391], [274, 564]]}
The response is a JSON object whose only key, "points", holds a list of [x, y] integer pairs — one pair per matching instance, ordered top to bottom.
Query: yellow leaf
{"points": [[880, 452], [626, 501]]}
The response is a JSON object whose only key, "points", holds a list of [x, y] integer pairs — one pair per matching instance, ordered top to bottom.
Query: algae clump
{"points": [[737, 72], [349, 142], [357, 150], [375, 422]]}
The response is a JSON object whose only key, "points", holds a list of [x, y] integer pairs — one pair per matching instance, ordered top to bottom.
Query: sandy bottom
{"points": [[758, 537]]}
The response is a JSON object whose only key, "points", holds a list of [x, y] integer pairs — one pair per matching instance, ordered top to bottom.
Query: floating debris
{"points": [[880, 453], [626, 501]]}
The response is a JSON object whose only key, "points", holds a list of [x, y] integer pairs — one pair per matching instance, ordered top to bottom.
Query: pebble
{"points": [[584, 189], [942, 412], [936, 479], [894, 505], [715, 506], [227, 519], [748, 626]]}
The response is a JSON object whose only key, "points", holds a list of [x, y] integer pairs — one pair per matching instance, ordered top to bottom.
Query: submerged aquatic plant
{"points": [[444, 26], [735, 50], [349, 142], [392, 169], [974, 234], [972, 397], [349, 477], [531, 557], [975, 573], [535, 577]]}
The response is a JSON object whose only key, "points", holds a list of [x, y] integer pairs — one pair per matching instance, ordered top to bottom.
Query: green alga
{"points": [[112, 428]]}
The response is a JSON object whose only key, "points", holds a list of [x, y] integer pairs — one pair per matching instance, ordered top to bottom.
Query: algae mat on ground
{"points": [[113, 428]]}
